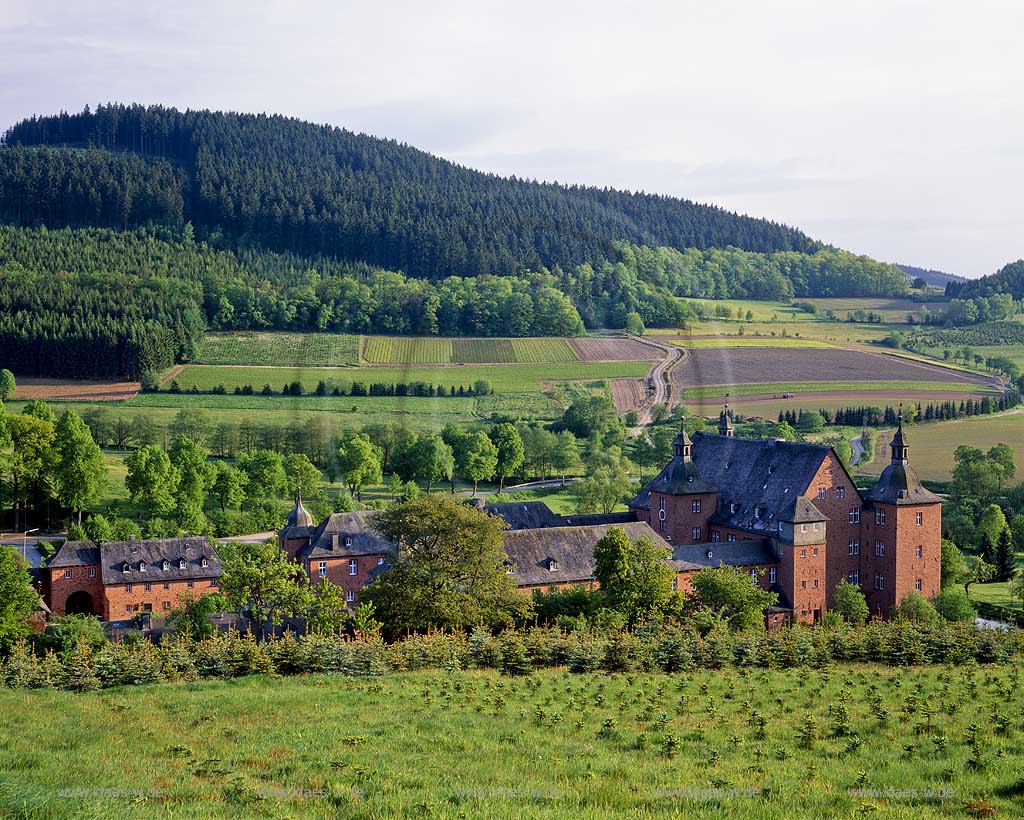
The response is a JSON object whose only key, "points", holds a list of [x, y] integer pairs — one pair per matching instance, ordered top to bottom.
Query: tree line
{"points": [[887, 416]]}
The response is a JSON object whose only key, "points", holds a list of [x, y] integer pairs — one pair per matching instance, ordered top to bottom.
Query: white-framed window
{"points": [[822, 493], [840, 493], [661, 503], [695, 505], [854, 515], [879, 516], [919, 518], [803, 528], [695, 533], [716, 536], [731, 537], [348, 540], [854, 546], [879, 549], [920, 550], [803, 552], [815, 552], [380, 560], [181, 563], [204, 563], [166, 565], [552, 565], [142, 566], [353, 566], [125, 567], [321, 569], [92, 572], [67, 573], [771, 574], [753, 576], [853, 576], [214, 582], [879, 582], [191, 583], [815, 583], [167, 585], [803, 585], [918, 585], [127, 587], [148, 587], [350, 595], [167, 604], [127, 609]]}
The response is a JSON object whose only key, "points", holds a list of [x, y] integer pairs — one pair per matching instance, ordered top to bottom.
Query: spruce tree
{"points": [[1005, 560]]}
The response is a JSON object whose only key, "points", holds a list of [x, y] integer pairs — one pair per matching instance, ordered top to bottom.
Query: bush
{"points": [[953, 605]]}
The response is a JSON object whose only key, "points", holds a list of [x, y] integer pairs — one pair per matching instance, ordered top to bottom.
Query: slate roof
{"points": [[757, 479], [900, 485], [801, 511], [525, 515], [587, 519], [356, 526], [572, 548], [731, 553], [112, 556]]}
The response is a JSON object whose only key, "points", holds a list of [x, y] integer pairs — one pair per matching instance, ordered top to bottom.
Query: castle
{"points": [[788, 512]]}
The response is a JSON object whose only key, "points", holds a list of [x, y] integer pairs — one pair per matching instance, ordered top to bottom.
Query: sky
{"points": [[893, 129]]}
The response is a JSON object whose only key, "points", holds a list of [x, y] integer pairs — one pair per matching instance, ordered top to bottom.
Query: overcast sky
{"points": [[888, 128]]}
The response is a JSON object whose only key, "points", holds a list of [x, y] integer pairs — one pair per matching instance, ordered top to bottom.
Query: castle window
{"points": [[822, 493], [840, 493], [695, 505], [854, 515], [879, 516], [920, 519], [695, 533], [716, 536], [731, 537], [348, 540], [854, 546], [879, 549], [920, 551], [803, 552], [815, 552], [181, 563], [205, 563], [166, 565], [142, 566], [353, 566], [125, 567], [321, 569], [92, 572], [67, 573], [771, 574], [753, 576], [853, 576], [214, 582], [191, 583], [815, 583], [917, 584], [167, 585], [803, 585], [127, 587], [148, 587], [350, 596], [167, 604], [127, 609]]}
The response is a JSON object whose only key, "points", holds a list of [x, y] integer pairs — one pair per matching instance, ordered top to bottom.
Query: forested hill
{"points": [[291, 185], [1008, 279]]}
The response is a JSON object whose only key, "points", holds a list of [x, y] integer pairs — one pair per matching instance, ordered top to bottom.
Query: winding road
{"points": [[658, 375]]}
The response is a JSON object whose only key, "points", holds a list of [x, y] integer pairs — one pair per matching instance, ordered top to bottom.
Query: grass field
{"points": [[891, 309], [282, 349], [428, 350], [1014, 353], [519, 378], [932, 445], [995, 593], [846, 741]]}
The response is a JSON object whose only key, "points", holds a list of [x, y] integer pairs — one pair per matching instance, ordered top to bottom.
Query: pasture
{"points": [[279, 348], [517, 378], [932, 445], [842, 741]]}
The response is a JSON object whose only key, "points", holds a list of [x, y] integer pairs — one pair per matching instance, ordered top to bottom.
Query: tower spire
{"points": [[725, 420], [681, 444], [900, 451]]}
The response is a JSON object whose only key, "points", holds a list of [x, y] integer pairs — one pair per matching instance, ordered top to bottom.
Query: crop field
{"points": [[697, 343], [281, 349], [605, 349], [405, 350], [741, 366], [513, 378], [73, 389], [628, 394], [932, 445], [843, 741]]}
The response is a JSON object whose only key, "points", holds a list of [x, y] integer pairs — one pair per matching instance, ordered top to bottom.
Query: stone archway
{"points": [[78, 603]]}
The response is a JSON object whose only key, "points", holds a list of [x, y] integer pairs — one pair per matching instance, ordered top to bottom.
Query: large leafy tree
{"points": [[7, 384], [509, 444], [480, 458], [433, 460], [360, 461], [28, 465], [79, 465], [264, 470], [195, 472], [303, 473], [152, 480], [229, 485], [448, 569], [633, 575], [259, 578], [727, 594], [18, 599], [850, 602]]}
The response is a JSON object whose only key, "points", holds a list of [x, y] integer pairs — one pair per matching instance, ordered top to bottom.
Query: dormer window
{"points": [[348, 540], [710, 554], [181, 563], [204, 563], [166, 565], [552, 565], [142, 566], [126, 567], [508, 567]]}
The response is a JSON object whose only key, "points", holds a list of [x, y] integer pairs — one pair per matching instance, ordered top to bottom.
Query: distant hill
{"points": [[316, 189], [935, 278], [1008, 279]]}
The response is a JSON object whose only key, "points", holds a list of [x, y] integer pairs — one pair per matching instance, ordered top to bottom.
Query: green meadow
{"points": [[845, 741]]}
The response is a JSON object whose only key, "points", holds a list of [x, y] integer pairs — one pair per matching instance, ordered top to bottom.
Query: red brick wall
{"points": [[680, 518], [839, 531], [292, 545], [900, 565], [799, 569], [338, 571], [60, 588], [122, 604]]}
